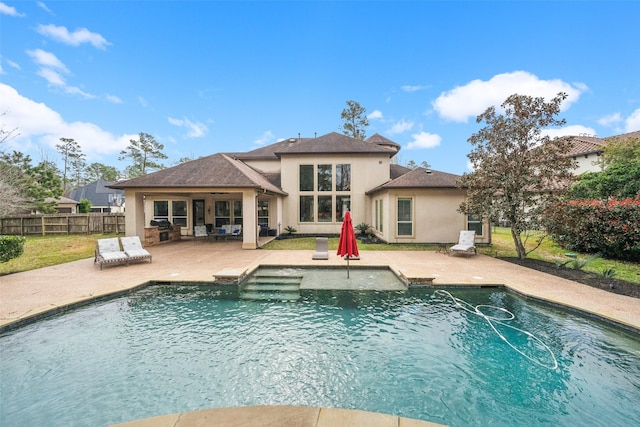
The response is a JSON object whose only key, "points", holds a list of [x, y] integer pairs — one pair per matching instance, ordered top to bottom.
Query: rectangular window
{"points": [[306, 177], [343, 177], [324, 178], [343, 204], [306, 208], [324, 208], [160, 210], [179, 212], [223, 212], [237, 212], [263, 213], [405, 217], [474, 222]]}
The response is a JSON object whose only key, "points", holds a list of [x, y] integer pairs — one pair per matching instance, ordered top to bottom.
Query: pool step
{"points": [[271, 288]]}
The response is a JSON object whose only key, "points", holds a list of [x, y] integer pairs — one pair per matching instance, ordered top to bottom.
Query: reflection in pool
{"points": [[411, 353]]}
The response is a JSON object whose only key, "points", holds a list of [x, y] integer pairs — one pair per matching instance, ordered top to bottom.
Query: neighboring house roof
{"points": [[583, 145], [218, 170], [420, 178], [97, 192]]}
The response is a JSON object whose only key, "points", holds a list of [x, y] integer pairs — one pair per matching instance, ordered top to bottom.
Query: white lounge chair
{"points": [[200, 231], [466, 243], [133, 248], [322, 248], [108, 252]]}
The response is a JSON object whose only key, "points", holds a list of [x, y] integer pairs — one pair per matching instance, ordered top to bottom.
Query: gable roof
{"points": [[331, 143], [582, 145], [217, 170], [419, 178], [97, 192]]}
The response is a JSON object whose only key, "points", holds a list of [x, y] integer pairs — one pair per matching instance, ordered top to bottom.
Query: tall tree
{"points": [[355, 120], [143, 153], [72, 156], [515, 166], [99, 171], [14, 181], [44, 186]]}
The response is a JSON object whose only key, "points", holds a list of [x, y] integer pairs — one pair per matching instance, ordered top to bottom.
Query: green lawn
{"points": [[43, 251]]}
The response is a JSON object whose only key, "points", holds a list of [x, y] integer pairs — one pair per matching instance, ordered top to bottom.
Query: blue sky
{"points": [[209, 76]]}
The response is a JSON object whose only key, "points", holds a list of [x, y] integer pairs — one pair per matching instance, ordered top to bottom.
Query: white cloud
{"points": [[43, 6], [9, 10], [76, 38], [47, 59], [14, 65], [52, 76], [415, 88], [113, 99], [470, 100], [143, 102], [375, 115], [610, 120], [632, 123], [40, 125], [400, 127], [194, 129], [573, 130], [266, 138], [424, 140]]}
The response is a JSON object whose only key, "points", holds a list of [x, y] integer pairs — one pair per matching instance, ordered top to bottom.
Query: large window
{"points": [[306, 177], [324, 177], [343, 177], [343, 204], [306, 208], [161, 210], [325, 210], [179, 212], [223, 212], [237, 212], [263, 213], [405, 217], [474, 222]]}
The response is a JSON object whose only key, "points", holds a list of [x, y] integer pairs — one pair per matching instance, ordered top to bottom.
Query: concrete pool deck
{"points": [[38, 293]]}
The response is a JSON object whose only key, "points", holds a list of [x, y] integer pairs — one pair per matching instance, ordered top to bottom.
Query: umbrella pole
{"points": [[347, 266]]}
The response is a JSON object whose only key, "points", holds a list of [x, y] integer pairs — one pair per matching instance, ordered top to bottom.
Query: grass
{"points": [[44, 251]]}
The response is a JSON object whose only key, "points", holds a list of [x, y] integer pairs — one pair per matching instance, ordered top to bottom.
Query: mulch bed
{"points": [[596, 280]]}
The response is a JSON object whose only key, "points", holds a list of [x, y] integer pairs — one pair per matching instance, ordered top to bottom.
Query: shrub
{"points": [[84, 206], [363, 227], [611, 228], [289, 229], [11, 247]]}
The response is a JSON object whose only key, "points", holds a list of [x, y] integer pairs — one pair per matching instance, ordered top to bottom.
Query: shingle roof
{"points": [[376, 138], [333, 142], [592, 144], [217, 170], [420, 178], [97, 192]]}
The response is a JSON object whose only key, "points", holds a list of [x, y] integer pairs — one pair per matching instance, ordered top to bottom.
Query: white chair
{"points": [[200, 231], [466, 243], [133, 248], [322, 251], [108, 252]]}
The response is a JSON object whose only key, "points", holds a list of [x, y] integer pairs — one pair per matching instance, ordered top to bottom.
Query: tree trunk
{"points": [[517, 240]]}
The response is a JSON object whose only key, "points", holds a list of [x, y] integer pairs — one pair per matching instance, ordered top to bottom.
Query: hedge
{"points": [[610, 228], [11, 247]]}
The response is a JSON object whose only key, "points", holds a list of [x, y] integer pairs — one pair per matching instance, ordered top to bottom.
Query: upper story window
{"points": [[325, 173], [306, 177], [343, 177]]}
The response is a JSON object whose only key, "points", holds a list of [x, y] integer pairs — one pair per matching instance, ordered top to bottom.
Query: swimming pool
{"points": [[411, 353]]}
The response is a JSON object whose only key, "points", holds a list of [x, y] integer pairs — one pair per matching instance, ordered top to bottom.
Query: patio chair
{"points": [[236, 230], [200, 231], [466, 243], [133, 248], [322, 248], [108, 252]]}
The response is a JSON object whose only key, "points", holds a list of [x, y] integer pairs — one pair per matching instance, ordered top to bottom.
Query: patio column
{"points": [[249, 219], [134, 221]]}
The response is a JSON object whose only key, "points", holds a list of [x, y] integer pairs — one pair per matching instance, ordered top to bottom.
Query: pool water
{"points": [[412, 353]]}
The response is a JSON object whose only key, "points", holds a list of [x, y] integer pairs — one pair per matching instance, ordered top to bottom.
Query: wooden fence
{"points": [[43, 225]]}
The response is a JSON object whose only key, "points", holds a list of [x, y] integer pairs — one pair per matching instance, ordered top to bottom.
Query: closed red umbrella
{"points": [[347, 245]]}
